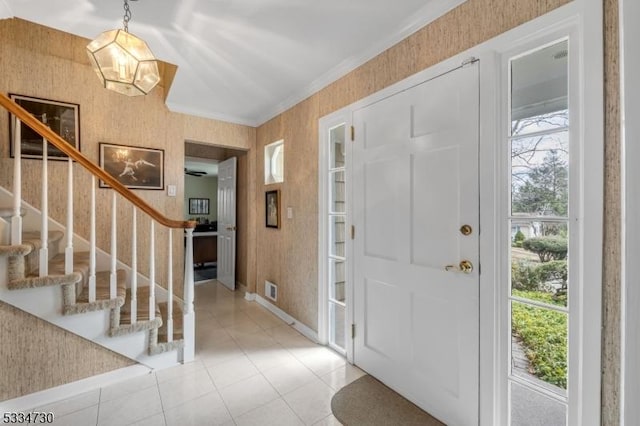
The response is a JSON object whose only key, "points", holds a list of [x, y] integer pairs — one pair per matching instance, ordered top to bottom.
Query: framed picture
{"points": [[62, 117], [134, 167], [199, 206], [272, 209]]}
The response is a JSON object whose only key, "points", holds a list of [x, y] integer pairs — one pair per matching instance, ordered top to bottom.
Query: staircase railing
{"points": [[20, 115]]}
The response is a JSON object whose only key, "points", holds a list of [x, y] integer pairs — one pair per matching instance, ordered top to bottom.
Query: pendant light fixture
{"points": [[124, 63]]}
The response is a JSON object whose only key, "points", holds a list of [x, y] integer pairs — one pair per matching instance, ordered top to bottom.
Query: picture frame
{"points": [[62, 117], [134, 167], [199, 206], [272, 208]]}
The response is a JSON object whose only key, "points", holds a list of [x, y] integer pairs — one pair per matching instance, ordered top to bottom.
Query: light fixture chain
{"points": [[127, 16]]}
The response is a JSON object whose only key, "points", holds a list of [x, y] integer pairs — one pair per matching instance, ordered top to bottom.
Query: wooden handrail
{"points": [[76, 155]]}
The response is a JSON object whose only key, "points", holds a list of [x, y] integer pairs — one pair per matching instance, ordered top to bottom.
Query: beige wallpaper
{"points": [[46, 63], [612, 266], [37, 355]]}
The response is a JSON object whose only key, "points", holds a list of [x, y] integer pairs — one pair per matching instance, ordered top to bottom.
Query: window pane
{"points": [[539, 90], [337, 147], [540, 175], [337, 201], [338, 235], [539, 266], [338, 279], [336, 318], [539, 346], [532, 408]]}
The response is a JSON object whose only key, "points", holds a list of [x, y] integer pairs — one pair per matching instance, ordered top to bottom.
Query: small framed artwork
{"points": [[62, 117], [134, 167], [199, 206], [272, 208]]}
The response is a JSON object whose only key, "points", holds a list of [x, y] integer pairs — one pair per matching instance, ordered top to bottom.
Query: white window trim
{"points": [[630, 111], [326, 123], [271, 151]]}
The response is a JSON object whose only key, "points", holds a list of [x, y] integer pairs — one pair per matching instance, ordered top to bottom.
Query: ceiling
{"points": [[245, 61], [203, 166]]}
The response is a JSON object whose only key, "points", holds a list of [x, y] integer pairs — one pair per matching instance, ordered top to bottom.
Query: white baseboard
{"points": [[251, 297], [306, 331], [48, 396]]}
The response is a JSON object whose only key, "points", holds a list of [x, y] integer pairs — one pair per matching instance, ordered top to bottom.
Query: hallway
{"points": [[251, 368]]}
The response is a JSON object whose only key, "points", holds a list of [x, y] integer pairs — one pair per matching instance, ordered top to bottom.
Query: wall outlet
{"points": [[171, 190], [289, 212], [271, 290]]}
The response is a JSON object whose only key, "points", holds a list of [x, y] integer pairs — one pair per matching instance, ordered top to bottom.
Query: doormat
{"points": [[368, 402]]}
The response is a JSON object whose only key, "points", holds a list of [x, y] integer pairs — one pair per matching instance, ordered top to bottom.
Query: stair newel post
{"points": [[16, 219], [44, 234], [92, 243], [114, 247], [68, 252], [134, 266], [152, 272], [170, 289], [189, 321]]}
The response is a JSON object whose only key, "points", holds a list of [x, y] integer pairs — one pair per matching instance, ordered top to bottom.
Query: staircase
{"points": [[49, 271]]}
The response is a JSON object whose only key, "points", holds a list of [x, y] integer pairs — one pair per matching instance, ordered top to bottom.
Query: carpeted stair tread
{"points": [[34, 238], [56, 265], [103, 287], [142, 305], [177, 321]]}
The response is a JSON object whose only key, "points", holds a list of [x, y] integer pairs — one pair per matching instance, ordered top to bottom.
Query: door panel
{"points": [[227, 222], [416, 323]]}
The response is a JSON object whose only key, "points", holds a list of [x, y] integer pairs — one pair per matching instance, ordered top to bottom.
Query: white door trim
{"points": [[585, 16], [630, 111]]}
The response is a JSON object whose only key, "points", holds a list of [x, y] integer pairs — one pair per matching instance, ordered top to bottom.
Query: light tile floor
{"points": [[251, 368]]}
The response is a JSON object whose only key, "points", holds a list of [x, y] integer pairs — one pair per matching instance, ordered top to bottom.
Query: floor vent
{"points": [[271, 290]]}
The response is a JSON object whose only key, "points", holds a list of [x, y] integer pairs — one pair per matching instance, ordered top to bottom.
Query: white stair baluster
{"points": [[16, 219], [44, 228], [92, 243], [68, 252], [134, 266], [152, 272], [113, 279], [170, 289], [188, 324]]}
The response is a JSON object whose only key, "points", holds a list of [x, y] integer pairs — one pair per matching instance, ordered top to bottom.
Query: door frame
{"points": [[582, 18]]}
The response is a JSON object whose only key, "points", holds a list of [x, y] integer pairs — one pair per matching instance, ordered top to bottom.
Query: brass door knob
{"points": [[231, 228], [465, 267]]}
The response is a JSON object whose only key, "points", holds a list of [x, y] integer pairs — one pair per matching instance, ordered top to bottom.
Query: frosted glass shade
{"points": [[124, 63]]}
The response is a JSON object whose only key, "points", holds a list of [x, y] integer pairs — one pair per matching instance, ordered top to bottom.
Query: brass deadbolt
{"points": [[466, 230]]}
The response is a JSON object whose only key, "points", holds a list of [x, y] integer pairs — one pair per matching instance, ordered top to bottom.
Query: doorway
{"points": [[212, 197]]}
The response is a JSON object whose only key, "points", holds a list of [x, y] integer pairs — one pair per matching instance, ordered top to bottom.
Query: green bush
{"points": [[518, 239], [547, 248], [524, 276], [544, 336]]}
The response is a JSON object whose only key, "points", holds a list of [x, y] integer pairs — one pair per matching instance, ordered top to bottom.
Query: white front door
{"points": [[415, 185], [227, 222]]}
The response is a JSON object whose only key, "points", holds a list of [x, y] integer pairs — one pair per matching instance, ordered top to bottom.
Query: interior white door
{"points": [[415, 184], [227, 222]]}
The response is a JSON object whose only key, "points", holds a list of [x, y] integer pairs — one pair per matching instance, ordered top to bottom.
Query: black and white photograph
{"points": [[62, 117], [134, 167], [199, 206], [272, 213]]}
